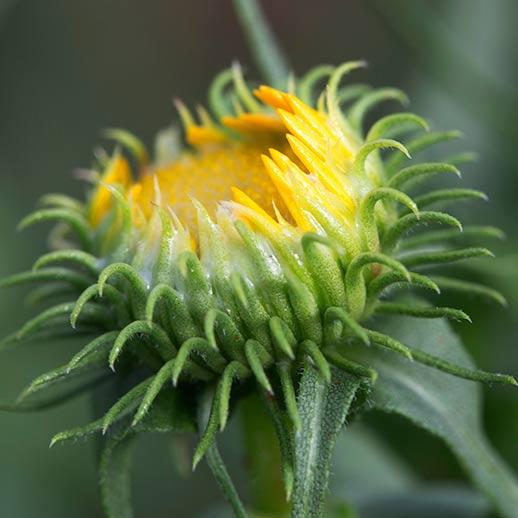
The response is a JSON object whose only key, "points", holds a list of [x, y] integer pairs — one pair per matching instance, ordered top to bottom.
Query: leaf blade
{"points": [[442, 404]]}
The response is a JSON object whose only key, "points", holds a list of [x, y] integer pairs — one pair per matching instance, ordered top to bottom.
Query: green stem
{"points": [[265, 49], [323, 408], [214, 460], [263, 460], [224, 481]]}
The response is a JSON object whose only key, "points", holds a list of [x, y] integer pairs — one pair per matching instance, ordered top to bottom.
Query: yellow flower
{"points": [[282, 166], [271, 239]]}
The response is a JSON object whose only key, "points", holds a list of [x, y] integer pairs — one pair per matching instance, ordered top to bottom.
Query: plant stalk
{"points": [[264, 47], [263, 460]]}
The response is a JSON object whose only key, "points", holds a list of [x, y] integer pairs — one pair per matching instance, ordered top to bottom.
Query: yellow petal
{"points": [[272, 97], [254, 122], [303, 130], [199, 136], [118, 174], [331, 179], [286, 192], [243, 198]]}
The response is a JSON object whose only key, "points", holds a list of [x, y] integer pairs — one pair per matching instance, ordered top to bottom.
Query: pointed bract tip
{"points": [[236, 65], [178, 103], [415, 209], [21, 226], [406, 274], [435, 288], [364, 337], [21, 397], [196, 460]]}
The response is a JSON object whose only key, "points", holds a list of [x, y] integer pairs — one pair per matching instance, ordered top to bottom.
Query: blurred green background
{"points": [[69, 68]]}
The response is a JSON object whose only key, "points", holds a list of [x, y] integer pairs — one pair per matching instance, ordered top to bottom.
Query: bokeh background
{"points": [[69, 68]]}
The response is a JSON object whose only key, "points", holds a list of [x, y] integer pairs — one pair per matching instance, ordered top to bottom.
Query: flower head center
{"points": [[285, 163]]}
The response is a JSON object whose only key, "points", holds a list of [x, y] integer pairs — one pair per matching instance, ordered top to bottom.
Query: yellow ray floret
{"points": [[272, 97], [254, 123], [199, 135], [118, 174], [279, 180], [306, 181]]}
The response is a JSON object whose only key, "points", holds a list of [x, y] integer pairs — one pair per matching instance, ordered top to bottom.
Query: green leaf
{"points": [[446, 406], [322, 408], [365, 468], [115, 476], [372, 479], [448, 501]]}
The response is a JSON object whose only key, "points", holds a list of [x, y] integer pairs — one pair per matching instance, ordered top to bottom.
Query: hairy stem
{"points": [[263, 459]]}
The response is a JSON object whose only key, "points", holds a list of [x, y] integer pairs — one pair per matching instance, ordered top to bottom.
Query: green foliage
{"points": [[293, 323], [442, 404]]}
